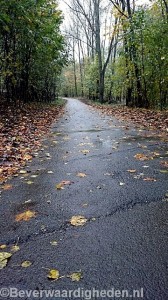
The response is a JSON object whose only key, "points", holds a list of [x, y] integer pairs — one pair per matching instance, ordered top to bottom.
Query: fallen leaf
{"points": [[84, 151], [156, 153], [48, 154], [141, 156], [27, 157], [164, 163], [131, 171], [164, 171], [23, 172], [81, 175], [149, 179], [29, 182], [66, 182], [62, 183], [59, 186], [7, 187], [28, 201], [25, 216], [78, 220], [43, 228], [54, 243], [3, 246], [15, 248], [4, 256], [26, 264], [53, 274], [75, 276]]}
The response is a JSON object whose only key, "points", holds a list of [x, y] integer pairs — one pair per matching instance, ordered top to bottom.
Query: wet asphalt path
{"points": [[123, 245]]}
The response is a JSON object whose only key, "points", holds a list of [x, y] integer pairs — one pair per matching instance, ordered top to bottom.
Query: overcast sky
{"points": [[63, 6]]}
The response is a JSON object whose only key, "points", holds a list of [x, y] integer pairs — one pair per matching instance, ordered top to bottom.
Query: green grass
{"points": [[59, 102]]}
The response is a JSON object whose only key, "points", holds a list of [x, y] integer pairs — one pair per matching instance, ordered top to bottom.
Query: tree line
{"points": [[31, 50], [118, 52]]}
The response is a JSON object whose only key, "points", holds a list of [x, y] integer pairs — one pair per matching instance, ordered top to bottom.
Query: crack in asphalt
{"points": [[66, 225]]}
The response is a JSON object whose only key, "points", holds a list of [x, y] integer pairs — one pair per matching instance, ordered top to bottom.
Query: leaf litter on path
{"points": [[20, 142]]}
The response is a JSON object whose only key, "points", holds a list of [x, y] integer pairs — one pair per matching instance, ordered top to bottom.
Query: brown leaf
{"points": [[141, 156], [27, 157], [149, 179], [66, 182], [7, 187]]}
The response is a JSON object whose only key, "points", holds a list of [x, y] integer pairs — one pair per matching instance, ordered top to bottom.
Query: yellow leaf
{"points": [[85, 151], [156, 153], [23, 171], [164, 171], [81, 175], [30, 182], [59, 186], [25, 216], [78, 220], [54, 243], [3, 246], [15, 248], [4, 256], [26, 264], [53, 274], [75, 276]]}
